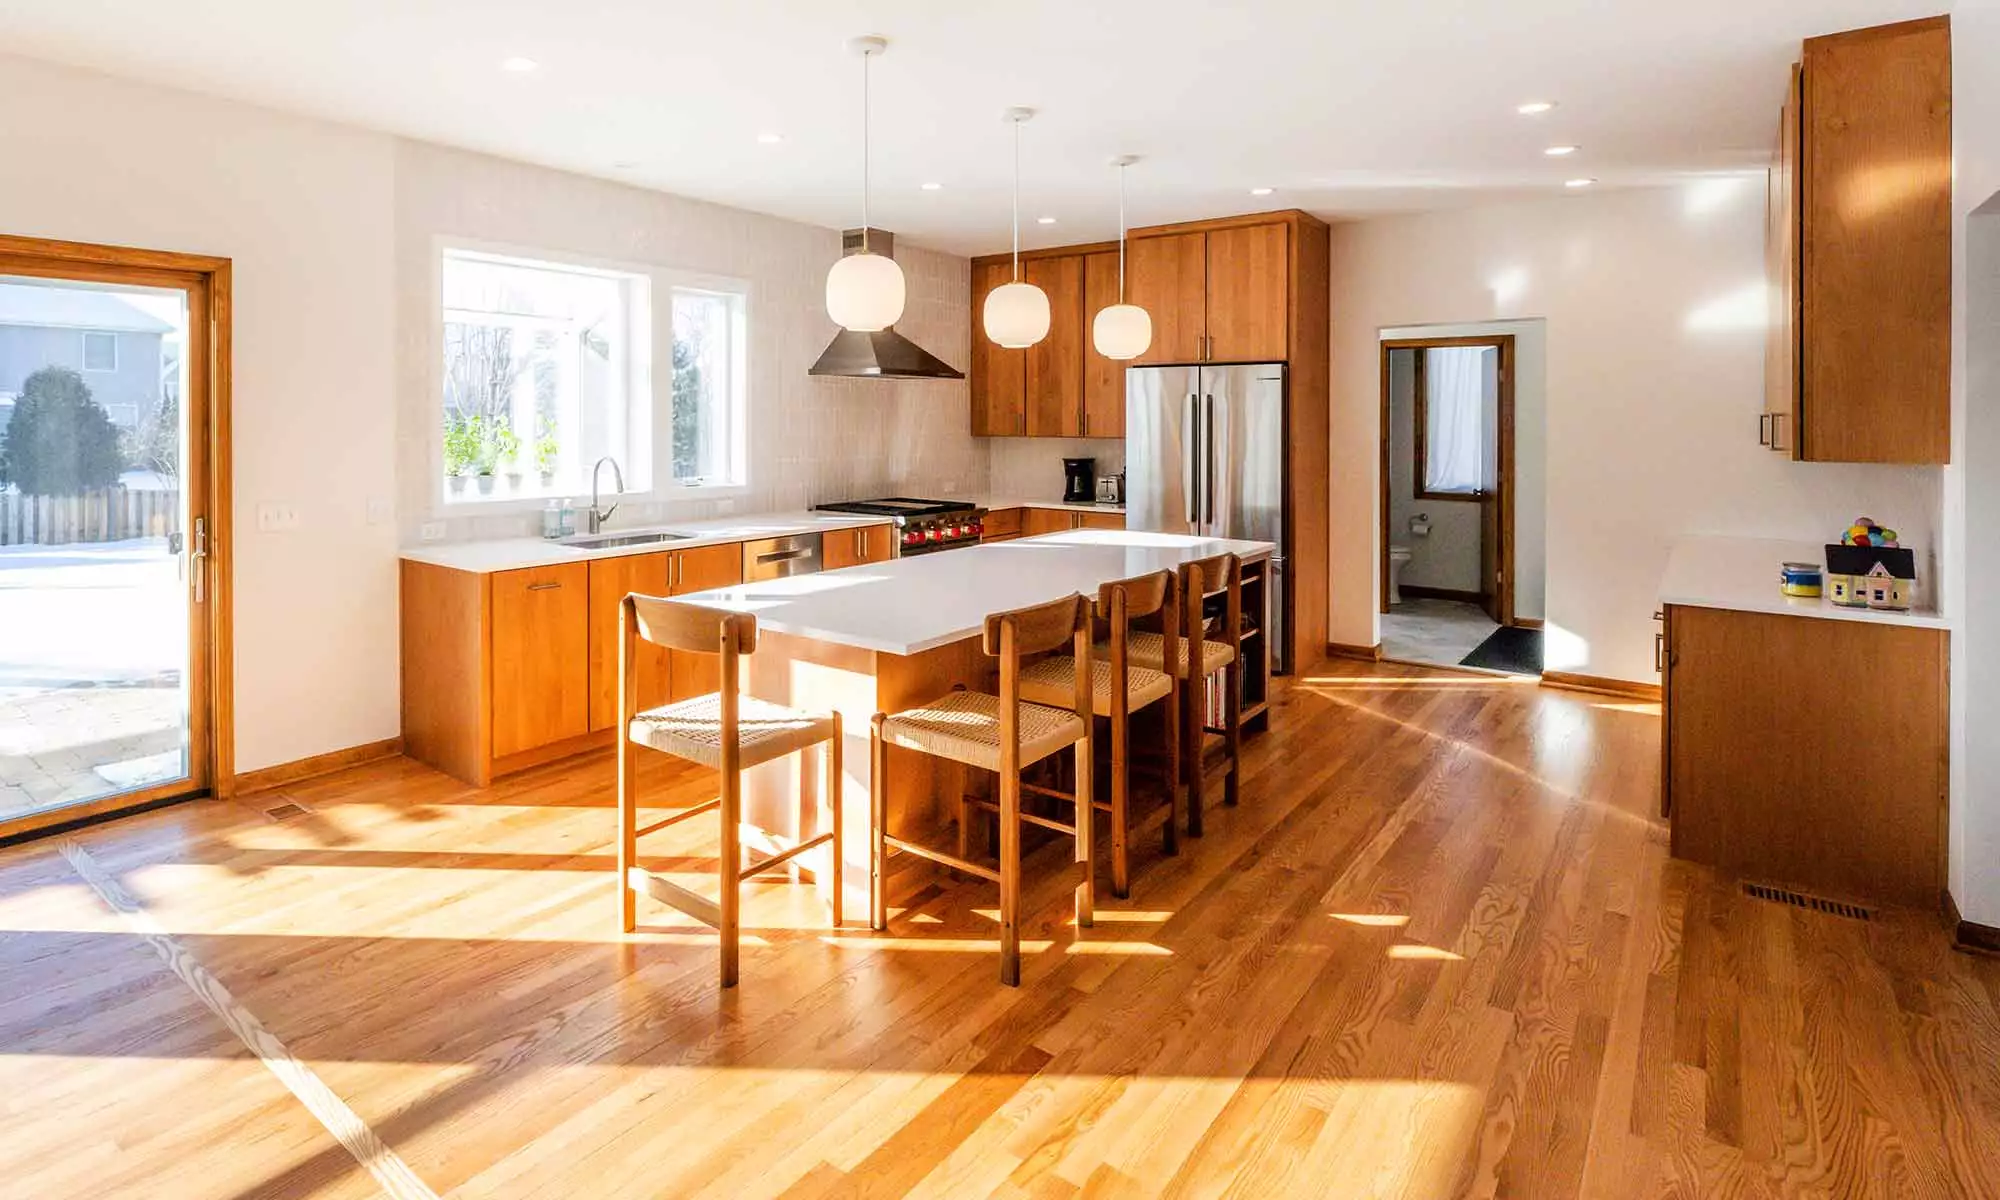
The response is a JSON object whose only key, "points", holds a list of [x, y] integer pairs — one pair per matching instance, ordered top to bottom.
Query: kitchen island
{"points": [[891, 635]]}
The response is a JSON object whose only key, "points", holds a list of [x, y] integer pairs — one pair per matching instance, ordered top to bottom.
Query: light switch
{"points": [[277, 518], [431, 531]]}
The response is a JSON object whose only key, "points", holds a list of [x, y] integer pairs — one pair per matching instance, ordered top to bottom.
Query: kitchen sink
{"points": [[607, 541]]}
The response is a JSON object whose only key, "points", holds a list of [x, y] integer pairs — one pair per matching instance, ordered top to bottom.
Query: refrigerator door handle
{"points": [[1208, 463], [1190, 473]]}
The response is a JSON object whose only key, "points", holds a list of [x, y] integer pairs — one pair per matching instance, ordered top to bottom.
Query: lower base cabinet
{"points": [[1058, 520], [855, 547], [1808, 751]]}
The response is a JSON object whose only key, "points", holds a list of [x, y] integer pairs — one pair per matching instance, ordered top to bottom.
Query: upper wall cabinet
{"points": [[1167, 275], [1860, 365], [998, 376]]}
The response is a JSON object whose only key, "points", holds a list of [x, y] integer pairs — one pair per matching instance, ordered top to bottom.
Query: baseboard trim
{"points": [[1423, 592], [1527, 622], [1356, 653], [1599, 685], [266, 778], [1969, 936]]}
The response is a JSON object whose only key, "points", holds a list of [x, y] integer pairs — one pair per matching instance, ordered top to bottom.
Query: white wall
{"points": [[304, 210], [1654, 303], [811, 439], [1031, 468], [1971, 550]]}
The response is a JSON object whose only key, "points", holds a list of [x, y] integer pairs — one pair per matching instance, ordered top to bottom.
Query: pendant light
{"points": [[864, 291], [1017, 313], [1122, 331]]}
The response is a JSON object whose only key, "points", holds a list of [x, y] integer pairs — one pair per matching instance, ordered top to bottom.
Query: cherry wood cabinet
{"points": [[1167, 275], [1247, 294], [1860, 362], [998, 376], [1054, 383], [1103, 413], [1056, 520], [1002, 525], [854, 547], [698, 570], [611, 580], [541, 672], [1765, 774]]}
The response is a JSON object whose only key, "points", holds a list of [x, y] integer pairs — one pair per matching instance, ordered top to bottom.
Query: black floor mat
{"points": [[1511, 648]]}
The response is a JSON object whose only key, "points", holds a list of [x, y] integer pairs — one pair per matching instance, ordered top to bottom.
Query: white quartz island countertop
{"points": [[1742, 574], [910, 605]]}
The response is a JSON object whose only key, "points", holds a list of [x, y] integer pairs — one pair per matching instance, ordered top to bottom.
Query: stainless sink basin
{"points": [[607, 541]]}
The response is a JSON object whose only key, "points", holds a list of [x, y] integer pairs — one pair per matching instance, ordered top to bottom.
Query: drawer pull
{"points": [[545, 586]]}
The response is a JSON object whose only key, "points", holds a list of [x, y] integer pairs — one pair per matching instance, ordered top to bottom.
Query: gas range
{"points": [[922, 526]]}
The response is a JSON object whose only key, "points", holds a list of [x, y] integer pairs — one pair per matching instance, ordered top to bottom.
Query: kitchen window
{"points": [[100, 352], [546, 369], [705, 416]]}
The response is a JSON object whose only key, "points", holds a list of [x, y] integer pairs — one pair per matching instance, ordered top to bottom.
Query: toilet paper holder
{"points": [[1420, 525]]}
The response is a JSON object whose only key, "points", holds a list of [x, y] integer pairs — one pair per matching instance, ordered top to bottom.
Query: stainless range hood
{"points": [[884, 355]]}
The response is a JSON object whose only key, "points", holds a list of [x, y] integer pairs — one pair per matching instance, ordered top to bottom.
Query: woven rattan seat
{"points": [[1149, 650], [1052, 681], [965, 727], [692, 729]]}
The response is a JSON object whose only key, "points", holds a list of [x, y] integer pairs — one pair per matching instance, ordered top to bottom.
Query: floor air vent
{"points": [[285, 811], [1819, 904]]}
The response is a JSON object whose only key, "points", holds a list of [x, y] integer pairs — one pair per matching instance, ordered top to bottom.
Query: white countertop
{"points": [[992, 502], [508, 554], [1742, 574], [909, 605]]}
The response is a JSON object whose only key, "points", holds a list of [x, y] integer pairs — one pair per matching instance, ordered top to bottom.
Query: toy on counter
{"points": [[1868, 569]]}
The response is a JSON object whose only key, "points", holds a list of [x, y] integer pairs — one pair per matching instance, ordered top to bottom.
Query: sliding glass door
{"points": [[105, 588]]}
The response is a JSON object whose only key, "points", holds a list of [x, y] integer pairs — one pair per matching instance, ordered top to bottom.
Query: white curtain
{"points": [[1457, 382]]}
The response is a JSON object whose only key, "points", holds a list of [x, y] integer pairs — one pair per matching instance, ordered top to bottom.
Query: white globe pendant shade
{"points": [[865, 293], [1017, 315], [1122, 331]]}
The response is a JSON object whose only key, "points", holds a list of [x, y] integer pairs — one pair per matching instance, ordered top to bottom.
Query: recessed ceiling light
{"points": [[518, 65], [1535, 108], [770, 139], [1560, 151], [624, 164], [1578, 183], [930, 187], [1261, 191], [1045, 220]]}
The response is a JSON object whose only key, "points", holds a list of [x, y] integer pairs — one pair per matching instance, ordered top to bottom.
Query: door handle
{"points": [[1775, 418], [1764, 429], [1208, 446], [1191, 476], [784, 556], [198, 560]]}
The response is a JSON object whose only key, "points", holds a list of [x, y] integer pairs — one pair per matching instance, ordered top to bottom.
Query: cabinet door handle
{"points": [[1764, 430], [1775, 443], [547, 585], [1660, 653]]}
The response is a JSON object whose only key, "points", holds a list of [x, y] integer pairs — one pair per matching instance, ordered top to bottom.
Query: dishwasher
{"points": [[777, 558]]}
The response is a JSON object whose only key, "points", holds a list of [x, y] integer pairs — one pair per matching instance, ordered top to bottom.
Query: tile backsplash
{"points": [[1031, 468]]}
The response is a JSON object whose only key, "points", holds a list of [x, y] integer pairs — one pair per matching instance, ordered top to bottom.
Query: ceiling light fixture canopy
{"points": [[865, 292], [1017, 314], [1122, 332]]}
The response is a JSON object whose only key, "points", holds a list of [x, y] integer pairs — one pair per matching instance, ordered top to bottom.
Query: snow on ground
{"points": [[104, 612]]}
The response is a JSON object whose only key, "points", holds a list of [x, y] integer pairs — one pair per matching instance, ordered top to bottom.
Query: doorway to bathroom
{"points": [[1447, 512]]}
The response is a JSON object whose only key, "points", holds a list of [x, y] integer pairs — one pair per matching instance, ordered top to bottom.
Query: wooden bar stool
{"points": [[1222, 576], [1052, 681], [724, 730], [1003, 734]]}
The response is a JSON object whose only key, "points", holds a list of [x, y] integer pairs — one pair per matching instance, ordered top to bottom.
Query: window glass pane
{"points": [[100, 352], [539, 377], [1460, 384], [706, 408]]}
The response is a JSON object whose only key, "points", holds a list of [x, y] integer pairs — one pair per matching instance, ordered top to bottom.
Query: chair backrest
{"points": [[1205, 577], [1122, 601], [693, 628], [1037, 630]]}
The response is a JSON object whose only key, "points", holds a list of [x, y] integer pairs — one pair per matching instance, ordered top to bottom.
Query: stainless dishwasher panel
{"points": [[776, 558]]}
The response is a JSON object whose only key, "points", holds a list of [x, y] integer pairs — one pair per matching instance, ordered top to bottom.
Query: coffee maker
{"points": [[1079, 480]]}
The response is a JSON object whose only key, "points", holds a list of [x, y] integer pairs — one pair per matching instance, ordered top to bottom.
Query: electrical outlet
{"points": [[277, 518], [431, 531]]}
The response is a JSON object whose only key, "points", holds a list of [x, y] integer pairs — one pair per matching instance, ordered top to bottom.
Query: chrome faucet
{"points": [[594, 519]]}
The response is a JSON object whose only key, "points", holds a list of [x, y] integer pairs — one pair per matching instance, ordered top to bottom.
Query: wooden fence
{"points": [[111, 515]]}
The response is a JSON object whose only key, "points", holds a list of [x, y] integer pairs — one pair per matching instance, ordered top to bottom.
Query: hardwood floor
{"points": [[1439, 950]]}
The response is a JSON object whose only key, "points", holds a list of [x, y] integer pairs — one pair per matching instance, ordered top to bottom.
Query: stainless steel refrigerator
{"points": [[1205, 454]]}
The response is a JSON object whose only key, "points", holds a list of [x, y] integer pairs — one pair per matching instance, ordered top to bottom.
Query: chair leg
{"points": [[1194, 715], [1232, 723], [835, 785], [1121, 817], [878, 820], [1086, 831], [1171, 838], [628, 840], [731, 855], [1010, 878]]}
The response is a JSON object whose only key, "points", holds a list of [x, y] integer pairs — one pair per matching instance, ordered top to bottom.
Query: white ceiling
{"points": [[1344, 106]]}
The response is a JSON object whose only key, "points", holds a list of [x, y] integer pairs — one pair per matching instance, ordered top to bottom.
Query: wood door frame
{"points": [[207, 280], [1503, 496]]}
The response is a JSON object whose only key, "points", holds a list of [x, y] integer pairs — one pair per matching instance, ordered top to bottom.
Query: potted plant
{"points": [[461, 447], [507, 450], [545, 455], [486, 459]]}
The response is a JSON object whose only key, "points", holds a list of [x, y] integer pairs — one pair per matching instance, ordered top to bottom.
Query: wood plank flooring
{"points": [[1439, 950]]}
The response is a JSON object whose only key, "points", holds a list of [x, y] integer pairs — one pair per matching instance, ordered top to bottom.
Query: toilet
{"points": [[1398, 555]]}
